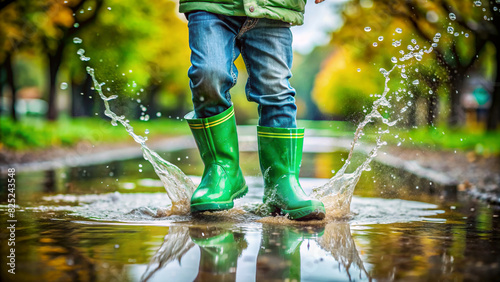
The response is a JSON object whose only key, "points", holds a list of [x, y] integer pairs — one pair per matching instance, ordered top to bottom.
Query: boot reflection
{"points": [[338, 241], [219, 252], [279, 255]]}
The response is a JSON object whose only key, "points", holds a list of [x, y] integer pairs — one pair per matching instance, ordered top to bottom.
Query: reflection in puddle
{"points": [[283, 253]]}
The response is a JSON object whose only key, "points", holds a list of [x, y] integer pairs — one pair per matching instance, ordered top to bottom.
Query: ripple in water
{"points": [[151, 208]]}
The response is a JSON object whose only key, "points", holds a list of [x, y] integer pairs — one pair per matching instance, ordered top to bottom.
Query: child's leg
{"points": [[213, 51], [267, 52], [212, 74]]}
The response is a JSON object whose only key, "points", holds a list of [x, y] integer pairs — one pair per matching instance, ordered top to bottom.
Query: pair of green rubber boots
{"points": [[280, 154]]}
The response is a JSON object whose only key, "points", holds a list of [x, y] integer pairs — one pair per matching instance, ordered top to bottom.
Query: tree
{"points": [[465, 28], [59, 34]]}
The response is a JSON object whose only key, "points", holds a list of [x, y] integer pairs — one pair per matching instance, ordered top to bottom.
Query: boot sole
{"points": [[219, 206], [307, 213]]}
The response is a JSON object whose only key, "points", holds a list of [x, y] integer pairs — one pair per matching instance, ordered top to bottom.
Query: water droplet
{"points": [[477, 3], [109, 8], [452, 16], [367, 29], [399, 30], [450, 30], [466, 35], [380, 38], [77, 40], [375, 44], [409, 47], [80, 52], [358, 69], [383, 71], [415, 82], [64, 86], [158, 114], [146, 131], [140, 165]]}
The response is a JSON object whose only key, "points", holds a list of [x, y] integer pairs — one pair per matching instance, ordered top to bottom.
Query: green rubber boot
{"points": [[280, 154], [222, 179], [219, 252]]}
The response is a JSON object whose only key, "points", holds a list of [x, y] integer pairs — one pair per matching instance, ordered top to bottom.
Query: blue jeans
{"points": [[266, 46]]}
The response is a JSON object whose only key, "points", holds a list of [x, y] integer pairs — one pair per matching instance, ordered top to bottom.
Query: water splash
{"points": [[178, 186], [337, 193], [338, 241], [175, 245]]}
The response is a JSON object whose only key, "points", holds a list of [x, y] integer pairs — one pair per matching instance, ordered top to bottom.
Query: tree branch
{"points": [[5, 3]]}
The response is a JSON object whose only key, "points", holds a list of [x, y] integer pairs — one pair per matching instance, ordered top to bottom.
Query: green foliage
{"points": [[397, 28], [134, 45], [35, 133]]}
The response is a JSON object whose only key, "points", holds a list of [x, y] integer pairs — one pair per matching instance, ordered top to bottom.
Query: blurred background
{"points": [[139, 49]]}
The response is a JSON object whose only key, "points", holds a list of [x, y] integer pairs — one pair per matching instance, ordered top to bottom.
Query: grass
{"points": [[36, 133], [482, 143]]}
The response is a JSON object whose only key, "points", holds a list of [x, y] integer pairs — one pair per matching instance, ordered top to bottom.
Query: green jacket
{"points": [[291, 11]]}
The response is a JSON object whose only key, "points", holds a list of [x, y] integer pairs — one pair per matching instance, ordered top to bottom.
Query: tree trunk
{"points": [[54, 64], [10, 81], [2, 82], [151, 103], [81, 105], [432, 107], [494, 111], [456, 115]]}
